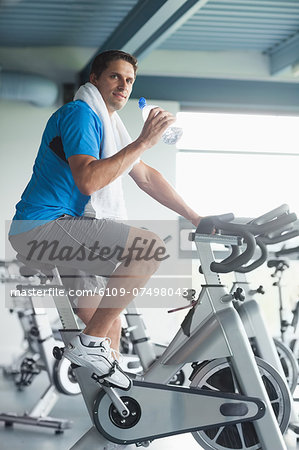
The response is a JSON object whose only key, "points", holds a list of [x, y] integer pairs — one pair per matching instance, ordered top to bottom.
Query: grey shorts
{"points": [[84, 249]]}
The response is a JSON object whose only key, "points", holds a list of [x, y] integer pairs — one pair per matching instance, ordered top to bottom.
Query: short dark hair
{"points": [[100, 62]]}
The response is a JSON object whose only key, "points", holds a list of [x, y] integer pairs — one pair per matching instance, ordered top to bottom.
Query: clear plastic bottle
{"points": [[172, 134]]}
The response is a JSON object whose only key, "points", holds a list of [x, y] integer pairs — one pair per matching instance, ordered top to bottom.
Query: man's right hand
{"points": [[157, 122], [91, 174]]}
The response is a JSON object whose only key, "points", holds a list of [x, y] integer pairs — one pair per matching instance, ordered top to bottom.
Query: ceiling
{"points": [[37, 23], [237, 24], [244, 40]]}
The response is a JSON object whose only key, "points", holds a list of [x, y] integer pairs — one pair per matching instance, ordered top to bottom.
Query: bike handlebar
{"points": [[270, 215], [276, 221], [207, 224], [273, 225], [281, 238], [287, 251], [258, 262], [277, 263], [230, 264]]}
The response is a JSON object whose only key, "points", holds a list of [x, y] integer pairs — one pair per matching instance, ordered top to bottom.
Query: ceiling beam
{"points": [[146, 26], [284, 55], [221, 94]]}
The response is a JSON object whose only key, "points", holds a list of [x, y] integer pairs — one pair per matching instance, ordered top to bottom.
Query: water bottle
{"points": [[172, 134]]}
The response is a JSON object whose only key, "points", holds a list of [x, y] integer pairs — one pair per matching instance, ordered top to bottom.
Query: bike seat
{"points": [[33, 267]]}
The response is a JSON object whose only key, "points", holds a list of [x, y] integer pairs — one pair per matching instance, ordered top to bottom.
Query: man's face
{"points": [[115, 84]]}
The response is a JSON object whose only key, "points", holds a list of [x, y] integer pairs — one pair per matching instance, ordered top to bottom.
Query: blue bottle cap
{"points": [[142, 102]]}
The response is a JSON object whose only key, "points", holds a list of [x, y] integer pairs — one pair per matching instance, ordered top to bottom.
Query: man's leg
{"points": [[82, 237], [125, 280], [86, 306], [86, 313], [113, 333]]}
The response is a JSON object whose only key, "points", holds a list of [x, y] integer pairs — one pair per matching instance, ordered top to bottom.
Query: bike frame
{"points": [[211, 329]]}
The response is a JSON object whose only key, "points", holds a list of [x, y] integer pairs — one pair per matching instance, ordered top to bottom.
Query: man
{"points": [[74, 164]]}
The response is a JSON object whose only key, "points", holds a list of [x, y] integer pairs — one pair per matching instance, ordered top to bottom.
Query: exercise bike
{"points": [[289, 320], [38, 339], [274, 351], [238, 414]]}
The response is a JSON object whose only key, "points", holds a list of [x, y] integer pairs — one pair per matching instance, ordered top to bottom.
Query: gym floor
{"points": [[23, 437]]}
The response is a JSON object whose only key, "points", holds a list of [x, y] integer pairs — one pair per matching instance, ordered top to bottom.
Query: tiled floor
{"points": [[22, 437]]}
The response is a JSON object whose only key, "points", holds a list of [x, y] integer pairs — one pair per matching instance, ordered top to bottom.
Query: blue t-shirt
{"points": [[74, 129]]}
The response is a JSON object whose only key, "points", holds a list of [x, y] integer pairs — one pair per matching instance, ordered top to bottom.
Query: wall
{"points": [[21, 126]]}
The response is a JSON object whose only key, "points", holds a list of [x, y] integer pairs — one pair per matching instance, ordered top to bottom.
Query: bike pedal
{"points": [[98, 379], [102, 381]]}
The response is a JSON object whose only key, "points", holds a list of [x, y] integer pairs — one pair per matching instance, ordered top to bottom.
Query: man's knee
{"points": [[147, 248], [158, 250]]}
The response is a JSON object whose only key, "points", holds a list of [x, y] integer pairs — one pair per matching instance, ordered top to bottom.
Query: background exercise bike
{"points": [[37, 358]]}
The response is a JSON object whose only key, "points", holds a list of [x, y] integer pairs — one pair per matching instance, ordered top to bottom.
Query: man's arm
{"points": [[91, 174], [155, 185]]}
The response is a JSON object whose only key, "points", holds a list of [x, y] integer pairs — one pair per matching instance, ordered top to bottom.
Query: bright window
{"points": [[239, 132], [243, 164]]}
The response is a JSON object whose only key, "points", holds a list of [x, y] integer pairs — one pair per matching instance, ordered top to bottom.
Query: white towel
{"points": [[107, 202]]}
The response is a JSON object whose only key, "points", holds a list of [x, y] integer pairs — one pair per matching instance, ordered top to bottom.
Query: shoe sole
{"points": [[78, 361]]}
